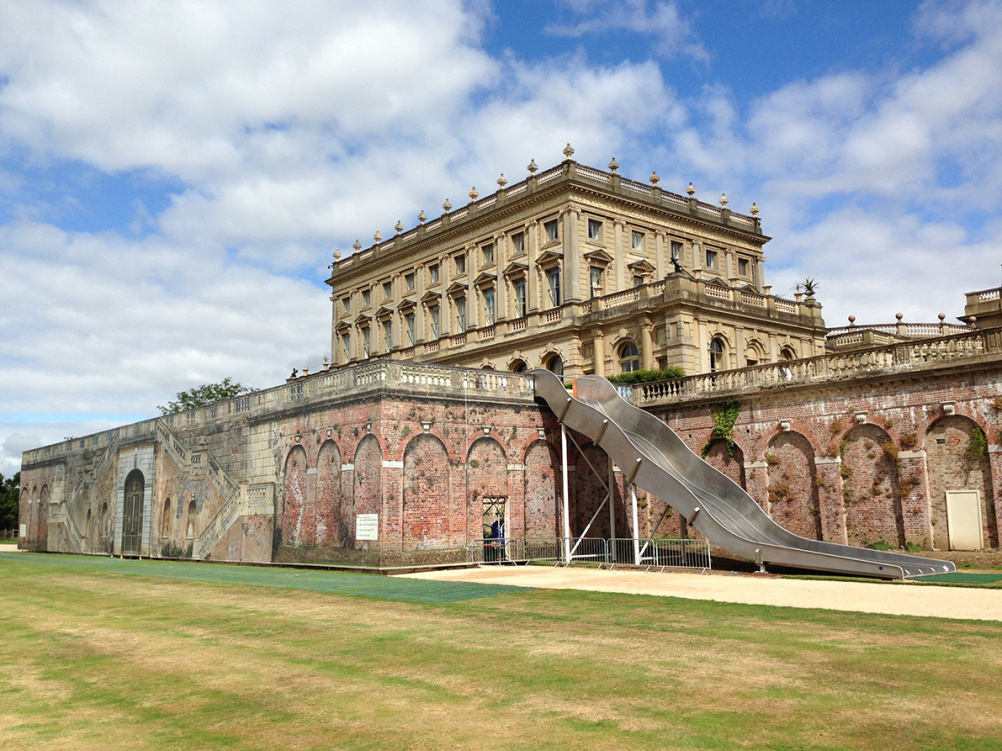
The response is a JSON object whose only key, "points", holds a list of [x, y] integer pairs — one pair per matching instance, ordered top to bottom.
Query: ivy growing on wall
{"points": [[725, 416]]}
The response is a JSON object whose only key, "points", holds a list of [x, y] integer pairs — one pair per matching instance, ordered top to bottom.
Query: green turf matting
{"points": [[964, 578], [334, 582]]}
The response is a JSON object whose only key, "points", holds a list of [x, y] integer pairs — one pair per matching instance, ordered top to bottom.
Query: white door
{"points": [[963, 518]]}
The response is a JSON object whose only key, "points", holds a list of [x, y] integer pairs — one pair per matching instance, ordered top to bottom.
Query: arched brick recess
{"points": [[953, 465], [732, 466], [487, 468], [543, 485], [870, 488], [367, 490], [426, 492], [588, 492], [793, 494], [295, 504], [24, 509], [332, 528], [42, 529]]}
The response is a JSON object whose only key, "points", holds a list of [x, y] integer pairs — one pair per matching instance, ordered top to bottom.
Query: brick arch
{"points": [[953, 465], [487, 477], [367, 479], [543, 486], [871, 487], [793, 494], [297, 506], [429, 508], [42, 524], [331, 526]]}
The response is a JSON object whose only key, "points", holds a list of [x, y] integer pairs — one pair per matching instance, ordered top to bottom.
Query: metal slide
{"points": [[654, 458]]}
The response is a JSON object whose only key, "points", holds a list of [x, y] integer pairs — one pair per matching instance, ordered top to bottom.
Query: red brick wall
{"points": [[487, 477], [542, 491], [367, 494], [295, 503], [428, 508], [873, 511], [332, 523]]}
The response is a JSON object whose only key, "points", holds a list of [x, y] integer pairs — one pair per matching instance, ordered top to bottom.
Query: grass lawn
{"points": [[127, 654]]}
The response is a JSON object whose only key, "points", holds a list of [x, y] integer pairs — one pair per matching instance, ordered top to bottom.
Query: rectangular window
{"points": [[550, 228], [594, 229], [637, 240], [518, 243], [676, 250], [488, 254], [711, 259], [461, 264], [742, 267], [433, 273], [597, 275], [409, 281], [638, 281], [553, 284], [387, 290], [366, 297], [346, 305], [489, 307], [520, 307], [433, 311], [460, 315], [409, 320], [388, 335], [365, 342], [346, 345]]}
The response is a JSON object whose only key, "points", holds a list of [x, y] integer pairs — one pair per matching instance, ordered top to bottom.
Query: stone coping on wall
{"points": [[367, 379]]}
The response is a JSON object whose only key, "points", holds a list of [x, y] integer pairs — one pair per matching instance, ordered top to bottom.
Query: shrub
{"points": [[648, 376], [724, 417], [909, 441], [891, 451], [771, 459]]}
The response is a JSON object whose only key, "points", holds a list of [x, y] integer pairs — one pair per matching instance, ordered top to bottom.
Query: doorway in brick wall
{"points": [[494, 528]]}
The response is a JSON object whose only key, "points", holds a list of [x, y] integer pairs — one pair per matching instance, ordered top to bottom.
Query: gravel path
{"points": [[897, 598]]}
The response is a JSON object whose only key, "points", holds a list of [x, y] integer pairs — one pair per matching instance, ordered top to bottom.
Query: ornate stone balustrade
{"points": [[901, 357]]}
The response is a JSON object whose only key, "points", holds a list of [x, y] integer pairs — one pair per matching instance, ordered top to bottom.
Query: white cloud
{"points": [[673, 33]]}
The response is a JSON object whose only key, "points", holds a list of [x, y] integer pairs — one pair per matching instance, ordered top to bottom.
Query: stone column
{"points": [[531, 249], [572, 260], [619, 260], [660, 265], [500, 290], [472, 303], [599, 342], [647, 344]]}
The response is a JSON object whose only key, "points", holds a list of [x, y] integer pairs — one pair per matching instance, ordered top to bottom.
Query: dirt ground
{"points": [[893, 598]]}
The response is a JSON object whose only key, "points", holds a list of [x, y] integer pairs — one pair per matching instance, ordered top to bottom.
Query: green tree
{"points": [[205, 394], [10, 491]]}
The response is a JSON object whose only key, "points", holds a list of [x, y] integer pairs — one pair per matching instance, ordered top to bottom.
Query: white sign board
{"points": [[367, 526], [24, 530]]}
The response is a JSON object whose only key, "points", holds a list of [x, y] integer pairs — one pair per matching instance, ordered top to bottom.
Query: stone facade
{"points": [[572, 269]]}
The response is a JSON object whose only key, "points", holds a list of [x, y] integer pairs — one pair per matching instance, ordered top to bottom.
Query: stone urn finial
{"points": [[568, 152], [613, 165], [532, 166], [654, 178], [502, 181], [690, 190], [473, 194], [724, 200], [447, 206], [754, 209], [422, 217], [399, 227], [378, 236], [357, 246], [337, 254]]}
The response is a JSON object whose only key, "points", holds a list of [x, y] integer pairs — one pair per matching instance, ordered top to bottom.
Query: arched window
{"points": [[787, 353], [716, 355], [629, 357], [518, 366], [556, 366], [132, 515], [190, 528]]}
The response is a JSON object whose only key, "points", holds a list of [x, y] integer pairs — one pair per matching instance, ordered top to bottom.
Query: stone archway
{"points": [[957, 459], [487, 480], [542, 491], [295, 499], [132, 513], [331, 525]]}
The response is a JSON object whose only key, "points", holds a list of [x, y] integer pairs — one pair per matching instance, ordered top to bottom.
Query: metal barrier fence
{"points": [[8, 534], [662, 553]]}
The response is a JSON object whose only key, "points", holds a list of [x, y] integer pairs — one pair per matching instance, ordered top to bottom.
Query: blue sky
{"points": [[174, 177]]}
